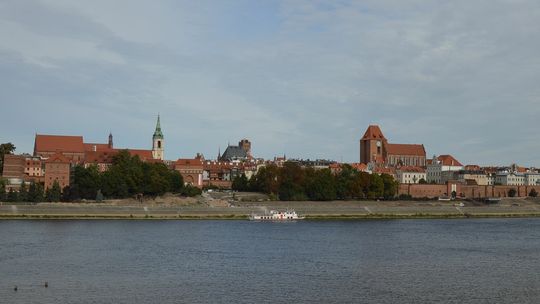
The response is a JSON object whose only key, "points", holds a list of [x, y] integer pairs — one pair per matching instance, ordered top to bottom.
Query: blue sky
{"points": [[303, 78]]}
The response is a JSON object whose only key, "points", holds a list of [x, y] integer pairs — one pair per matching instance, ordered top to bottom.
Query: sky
{"points": [[296, 77]]}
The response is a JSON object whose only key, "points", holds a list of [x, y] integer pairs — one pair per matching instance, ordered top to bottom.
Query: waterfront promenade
{"points": [[240, 210]]}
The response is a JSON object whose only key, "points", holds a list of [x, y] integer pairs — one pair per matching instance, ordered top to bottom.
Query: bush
{"points": [[189, 190], [512, 192], [533, 193], [405, 197]]}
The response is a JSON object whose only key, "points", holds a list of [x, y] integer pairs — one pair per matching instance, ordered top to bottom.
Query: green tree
{"points": [[6, 148], [156, 179], [266, 180], [176, 181], [422, 181], [85, 182], [291, 182], [240, 183], [114, 185], [320, 185], [346, 186], [376, 186], [390, 186], [2, 189], [190, 190], [23, 192], [35, 192], [512, 192], [54, 193], [533, 193], [12, 196]]}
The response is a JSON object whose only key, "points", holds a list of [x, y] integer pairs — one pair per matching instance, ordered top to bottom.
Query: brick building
{"points": [[375, 149], [57, 168], [191, 171]]}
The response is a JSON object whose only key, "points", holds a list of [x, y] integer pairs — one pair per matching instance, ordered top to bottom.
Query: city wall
{"points": [[468, 191]]}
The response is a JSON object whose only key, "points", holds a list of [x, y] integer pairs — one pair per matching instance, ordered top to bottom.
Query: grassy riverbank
{"points": [[234, 210]]}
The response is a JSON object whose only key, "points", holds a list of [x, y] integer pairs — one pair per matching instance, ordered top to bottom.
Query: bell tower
{"points": [[157, 142], [372, 146]]}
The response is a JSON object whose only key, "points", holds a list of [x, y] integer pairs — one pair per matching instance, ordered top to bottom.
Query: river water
{"points": [[394, 261]]}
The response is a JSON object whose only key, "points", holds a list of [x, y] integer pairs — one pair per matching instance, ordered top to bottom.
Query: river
{"points": [[367, 261]]}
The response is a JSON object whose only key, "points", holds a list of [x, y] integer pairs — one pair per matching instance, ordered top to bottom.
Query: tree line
{"points": [[127, 176], [293, 182]]}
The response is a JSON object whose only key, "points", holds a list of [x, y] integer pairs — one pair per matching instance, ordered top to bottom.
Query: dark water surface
{"points": [[396, 261]]}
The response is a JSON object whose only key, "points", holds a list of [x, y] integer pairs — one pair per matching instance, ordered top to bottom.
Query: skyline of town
{"points": [[222, 148]]}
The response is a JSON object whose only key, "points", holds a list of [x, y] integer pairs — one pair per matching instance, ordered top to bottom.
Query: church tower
{"points": [[157, 142], [110, 144], [373, 146]]}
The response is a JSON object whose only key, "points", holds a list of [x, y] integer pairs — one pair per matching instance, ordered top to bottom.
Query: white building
{"points": [[441, 169], [410, 175], [532, 178], [510, 179]]}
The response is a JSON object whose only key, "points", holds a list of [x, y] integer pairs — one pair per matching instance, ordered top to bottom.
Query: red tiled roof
{"points": [[373, 132], [61, 143], [98, 147], [405, 149], [144, 155], [99, 157], [58, 158], [448, 160], [185, 162], [334, 166], [359, 166], [472, 167], [411, 169], [522, 169], [381, 170]]}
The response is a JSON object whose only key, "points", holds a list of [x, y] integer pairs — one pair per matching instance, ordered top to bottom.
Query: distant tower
{"points": [[110, 141], [157, 142], [246, 146], [372, 146]]}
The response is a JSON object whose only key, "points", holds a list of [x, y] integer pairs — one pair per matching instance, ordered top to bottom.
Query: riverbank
{"points": [[240, 210]]}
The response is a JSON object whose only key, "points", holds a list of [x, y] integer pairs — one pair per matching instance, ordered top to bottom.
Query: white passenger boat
{"points": [[273, 215]]}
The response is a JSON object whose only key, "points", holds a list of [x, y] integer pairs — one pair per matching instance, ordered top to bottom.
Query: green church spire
{"points": [[157, 132]]}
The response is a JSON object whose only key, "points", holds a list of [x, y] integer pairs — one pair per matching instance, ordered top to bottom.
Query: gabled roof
{"points": [[373, 132], [58, 143], [405, 149], [58, 158], [448, 160]]}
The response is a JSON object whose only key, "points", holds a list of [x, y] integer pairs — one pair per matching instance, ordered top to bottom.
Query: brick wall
{"points": [[468, 191]]}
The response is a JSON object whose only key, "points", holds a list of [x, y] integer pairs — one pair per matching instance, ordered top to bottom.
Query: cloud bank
{"points": [[303, 78]]}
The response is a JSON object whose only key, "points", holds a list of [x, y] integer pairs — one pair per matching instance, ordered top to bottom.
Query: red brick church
{"points": [[375, 149]]}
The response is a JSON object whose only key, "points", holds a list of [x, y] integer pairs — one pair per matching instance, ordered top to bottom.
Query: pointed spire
{"points": [[157, 132]]}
